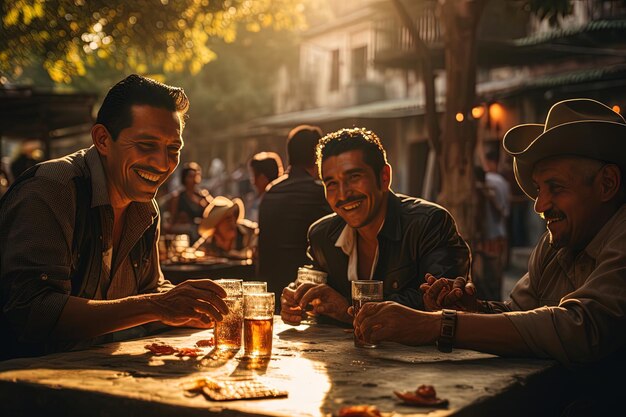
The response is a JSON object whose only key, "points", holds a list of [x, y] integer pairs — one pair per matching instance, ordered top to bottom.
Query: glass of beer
{"points": [[312, 276], [253, 287], [365, 291], [258, 324], [228, 331]]}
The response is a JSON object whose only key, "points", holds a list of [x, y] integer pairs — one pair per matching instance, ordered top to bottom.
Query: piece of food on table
{"points": [[205, 342], [423, 396], [359, 411]]}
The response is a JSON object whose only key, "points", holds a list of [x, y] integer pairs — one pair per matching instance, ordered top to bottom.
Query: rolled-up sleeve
{"points": [[36, 230], [588, 323]]}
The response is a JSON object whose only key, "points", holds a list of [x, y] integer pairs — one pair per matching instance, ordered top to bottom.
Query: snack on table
{"points": [[205, 342], [161, 349], [190, 352], [229, 390], [424, 396], [359, 411]]}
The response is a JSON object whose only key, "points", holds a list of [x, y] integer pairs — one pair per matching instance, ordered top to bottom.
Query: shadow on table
{"points": [[474, 383]]}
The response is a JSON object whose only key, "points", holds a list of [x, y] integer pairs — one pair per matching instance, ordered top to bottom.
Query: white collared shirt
{"points": [[347, 241]]}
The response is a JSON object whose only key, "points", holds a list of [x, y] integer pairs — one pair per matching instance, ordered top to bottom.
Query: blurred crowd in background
{"points": [[210, 212]]}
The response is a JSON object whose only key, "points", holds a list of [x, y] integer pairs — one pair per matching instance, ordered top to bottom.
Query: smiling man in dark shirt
{"points": [[374, 232], [79, 234]]}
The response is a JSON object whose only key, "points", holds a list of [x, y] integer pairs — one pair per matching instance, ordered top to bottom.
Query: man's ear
{"points": [[101, 138], [385, 177], [610, 182]]}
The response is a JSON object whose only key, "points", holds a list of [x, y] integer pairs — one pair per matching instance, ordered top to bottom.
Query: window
{"points": [[359, 63], [334, 70]]}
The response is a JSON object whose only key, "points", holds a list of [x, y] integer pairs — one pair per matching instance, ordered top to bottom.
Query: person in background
{"points": [[29, 156], [264, 167], [290, 205], [186, 206], [228, 234], [373, 234], [78, 235], [491, 250], [571, 304]]}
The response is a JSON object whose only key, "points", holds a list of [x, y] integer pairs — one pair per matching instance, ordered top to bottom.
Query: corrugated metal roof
{"points": [[593, 26]]}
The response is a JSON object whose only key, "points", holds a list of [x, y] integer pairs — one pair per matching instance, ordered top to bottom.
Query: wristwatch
{"points": [[445, 341]]}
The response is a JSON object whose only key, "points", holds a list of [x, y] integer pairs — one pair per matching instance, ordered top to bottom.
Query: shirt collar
{"points": [[99, 193], [346, 240], [595, 246]]}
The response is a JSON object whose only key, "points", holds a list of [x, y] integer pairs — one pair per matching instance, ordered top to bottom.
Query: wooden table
{"points": [[317, 365]]}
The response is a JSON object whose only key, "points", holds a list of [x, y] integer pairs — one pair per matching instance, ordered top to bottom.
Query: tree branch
{"points": [[428, 76]]}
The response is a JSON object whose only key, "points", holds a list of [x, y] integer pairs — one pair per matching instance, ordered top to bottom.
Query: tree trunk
{"points": [[458, 141]]}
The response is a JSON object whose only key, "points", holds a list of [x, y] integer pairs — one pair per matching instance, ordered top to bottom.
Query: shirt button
{"points": [[135, 264], [44, 277], [395, 285]]}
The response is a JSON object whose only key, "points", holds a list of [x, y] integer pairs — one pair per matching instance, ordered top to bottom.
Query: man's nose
{"points": [[162, 159], [344, 190], [542, 203]]}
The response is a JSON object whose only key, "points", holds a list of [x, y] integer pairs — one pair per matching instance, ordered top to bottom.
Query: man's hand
{"points": [[458, 294], [325, 300], [193, 303], [290, 310], [394, 322]]}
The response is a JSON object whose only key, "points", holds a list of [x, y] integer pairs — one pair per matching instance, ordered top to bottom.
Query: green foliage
{"points": [[67, 37], [239, 84]]}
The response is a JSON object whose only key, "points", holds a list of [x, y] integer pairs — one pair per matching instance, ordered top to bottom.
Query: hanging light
{"points": [[478, 111]]}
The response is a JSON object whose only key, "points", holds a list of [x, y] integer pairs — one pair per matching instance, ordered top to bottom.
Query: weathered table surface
{"points": [[317, 365]]}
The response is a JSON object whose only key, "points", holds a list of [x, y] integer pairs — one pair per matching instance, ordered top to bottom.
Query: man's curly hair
{"points": [[345, 140]]}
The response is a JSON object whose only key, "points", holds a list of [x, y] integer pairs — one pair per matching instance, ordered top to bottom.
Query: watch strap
{"points": [[445, 341]]}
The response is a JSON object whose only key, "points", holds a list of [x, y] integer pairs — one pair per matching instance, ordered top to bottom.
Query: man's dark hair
{"points": [[115, 113], [345, 140], [301, 143], [268, 164], [186, 168]]}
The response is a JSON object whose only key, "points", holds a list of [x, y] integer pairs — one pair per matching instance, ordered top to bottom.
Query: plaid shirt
{"points": [[37, 222]]}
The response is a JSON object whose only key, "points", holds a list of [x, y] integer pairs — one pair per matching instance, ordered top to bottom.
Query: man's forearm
{"points": [[84, 319], [490, 333]]}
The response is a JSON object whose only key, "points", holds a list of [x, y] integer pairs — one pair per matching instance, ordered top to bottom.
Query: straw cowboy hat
{"points": [[578, 127], [216, 210]]}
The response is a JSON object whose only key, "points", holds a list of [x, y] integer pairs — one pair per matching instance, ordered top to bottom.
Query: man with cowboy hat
{"points": [[225, 230], [571, 305]]}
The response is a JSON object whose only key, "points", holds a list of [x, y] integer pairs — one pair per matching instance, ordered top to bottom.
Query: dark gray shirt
{"points": [[37, 222]]}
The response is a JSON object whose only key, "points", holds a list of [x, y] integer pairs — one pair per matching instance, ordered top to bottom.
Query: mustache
{"points": [[348, 201]]}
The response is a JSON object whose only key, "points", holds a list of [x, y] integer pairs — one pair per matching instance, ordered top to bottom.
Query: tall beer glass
{"points": [[312, 276], [252, 287], [365, 291], [258, 324], [228, 331]]}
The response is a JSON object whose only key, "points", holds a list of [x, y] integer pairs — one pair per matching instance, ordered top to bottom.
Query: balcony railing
{"points": [[391, 37]]}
